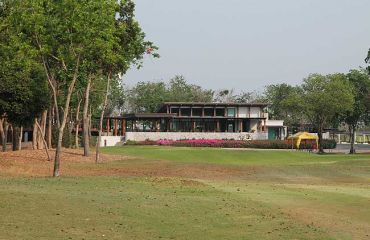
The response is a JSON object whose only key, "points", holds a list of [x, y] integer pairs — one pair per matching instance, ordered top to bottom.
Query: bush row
{"points": [[262, 144]]}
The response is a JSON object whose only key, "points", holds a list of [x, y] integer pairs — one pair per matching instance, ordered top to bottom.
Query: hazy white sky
{"points": [[247, 44]]}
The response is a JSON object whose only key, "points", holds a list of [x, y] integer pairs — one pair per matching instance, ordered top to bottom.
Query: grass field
{"points": [[185, 193]]}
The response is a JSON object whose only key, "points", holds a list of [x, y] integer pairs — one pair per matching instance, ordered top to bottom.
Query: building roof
{"points": [[209, 104], [217, 104], [144, 115]]}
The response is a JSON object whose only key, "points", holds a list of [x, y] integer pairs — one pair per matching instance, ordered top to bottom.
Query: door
{"points": [[273, 133]]}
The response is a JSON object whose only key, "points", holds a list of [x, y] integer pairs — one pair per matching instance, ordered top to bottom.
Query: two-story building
{"points": [[192, 120]]}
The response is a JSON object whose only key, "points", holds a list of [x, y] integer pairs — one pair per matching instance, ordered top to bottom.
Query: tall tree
{"points": [[127, 50], [360, 81], [23, 88], [181, 91], [147, 96], [249, 97], [324, 97], [285, 102]]}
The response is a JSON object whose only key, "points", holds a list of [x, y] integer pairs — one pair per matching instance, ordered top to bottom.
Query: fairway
{"points": [[187, 193]]}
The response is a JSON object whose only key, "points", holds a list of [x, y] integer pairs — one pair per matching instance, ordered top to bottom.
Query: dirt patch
{"points": [[35, 162], [176, 182], [326, 220]]}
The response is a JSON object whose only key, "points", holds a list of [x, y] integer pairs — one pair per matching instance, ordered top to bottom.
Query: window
{"points": [[220, 112], [231, 112]]}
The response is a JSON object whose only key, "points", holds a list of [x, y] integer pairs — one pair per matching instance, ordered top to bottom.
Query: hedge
{"points": [[215, 143]]}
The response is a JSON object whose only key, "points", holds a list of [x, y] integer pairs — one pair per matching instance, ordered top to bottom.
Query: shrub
{"points": [[217, 143], [329, 144]]}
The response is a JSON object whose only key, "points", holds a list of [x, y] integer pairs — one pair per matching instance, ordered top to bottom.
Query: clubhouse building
{"points": [[193, 120]]}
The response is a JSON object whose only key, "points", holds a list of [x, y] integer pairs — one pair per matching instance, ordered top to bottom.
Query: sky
{"points": [[248, 44]]}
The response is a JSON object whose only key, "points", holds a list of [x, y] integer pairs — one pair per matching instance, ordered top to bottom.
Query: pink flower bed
{"points": [[217, 143]]}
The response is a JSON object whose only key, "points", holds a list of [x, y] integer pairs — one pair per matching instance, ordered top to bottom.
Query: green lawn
{"points": [[185, 193]]}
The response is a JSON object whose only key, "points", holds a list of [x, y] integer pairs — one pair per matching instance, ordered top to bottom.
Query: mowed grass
{"points": [[244, 195]]}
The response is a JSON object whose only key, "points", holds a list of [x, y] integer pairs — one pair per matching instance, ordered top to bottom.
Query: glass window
{"points": [[231, 112]]}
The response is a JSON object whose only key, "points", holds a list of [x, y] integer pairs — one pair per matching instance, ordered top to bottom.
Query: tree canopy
{"points": [[324, 97]]}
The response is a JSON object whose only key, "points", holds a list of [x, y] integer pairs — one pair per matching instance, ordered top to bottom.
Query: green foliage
{"points": [[367, 60], [360, 83], [23, 87], [180, 91], [148, 96], [326, 96], [285, 103], [68, 138]]}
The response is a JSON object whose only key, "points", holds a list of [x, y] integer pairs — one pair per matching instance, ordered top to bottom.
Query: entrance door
{"points": [[230, 126], [273, 133]]}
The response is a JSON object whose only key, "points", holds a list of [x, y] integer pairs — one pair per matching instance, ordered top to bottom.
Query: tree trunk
{"points": [[86, 120], [61, 125], [90, 125], [43, 127], [77, 128], [352, 130], [49, 132], [2, 133], [41, 134], [319, 134], [34, 135], [5, 136], [20, 138], [15, 140], [46, 146], [58, 151], [97, 159]]}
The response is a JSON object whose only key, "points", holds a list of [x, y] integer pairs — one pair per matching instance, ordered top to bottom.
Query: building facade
{"points": [[179, 120]]}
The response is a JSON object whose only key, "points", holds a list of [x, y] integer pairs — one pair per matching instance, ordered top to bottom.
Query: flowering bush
{"points": [[218, 143]]}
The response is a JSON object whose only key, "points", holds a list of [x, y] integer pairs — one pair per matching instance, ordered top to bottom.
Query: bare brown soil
{"points": [[35, 162], [73, 163]]}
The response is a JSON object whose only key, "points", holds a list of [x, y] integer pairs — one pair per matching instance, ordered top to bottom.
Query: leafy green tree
{"points": [[127, 51], [367, 60], [360, 81], [23, 87], [180, 91], [147, 96], [225, 96], [249, 97], [325, 97], [285, 102]]}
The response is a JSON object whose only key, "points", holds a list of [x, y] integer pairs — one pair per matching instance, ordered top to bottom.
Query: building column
{"points": [[193, 126], [218, 126], [241, 126], [115, 127], [123, 127]]}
